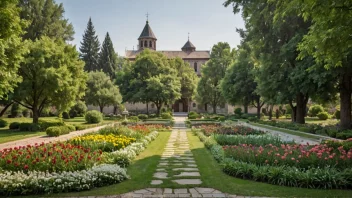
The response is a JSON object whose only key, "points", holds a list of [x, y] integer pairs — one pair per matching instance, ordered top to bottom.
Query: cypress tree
{"points": [[90, 48], [108, 57]]}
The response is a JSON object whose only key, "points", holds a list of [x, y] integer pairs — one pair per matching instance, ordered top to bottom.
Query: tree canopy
{"points": [[90, 47], [108, 61]]}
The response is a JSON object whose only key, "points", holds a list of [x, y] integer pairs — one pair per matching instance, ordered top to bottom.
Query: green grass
{"points": [[301, 134], [7, 135], [141, 172], [213, 177]]}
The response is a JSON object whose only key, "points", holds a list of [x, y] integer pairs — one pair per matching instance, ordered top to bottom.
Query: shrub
{"points": [[79, 109], [16, 110], [315, 110], [238, 111], [264, 111], [26, 113], [337, 114], [65, 115], [153, 115], [193, 115], [323, 115], [142, 116], [166, 116], [244, 116], [93, 117], [133, 119], [253, 119], [3, 123], [124, 123], [46, 124], [14, 125], [29, 127], [59, 130], [344, 135]]}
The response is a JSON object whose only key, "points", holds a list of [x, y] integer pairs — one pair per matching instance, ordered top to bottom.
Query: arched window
{"points": [[141, 44], [145, 44], [150, 44], [195, 67]]}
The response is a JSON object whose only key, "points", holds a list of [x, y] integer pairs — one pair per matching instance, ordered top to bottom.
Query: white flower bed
{"points": [[125, 156], [34, 182]]}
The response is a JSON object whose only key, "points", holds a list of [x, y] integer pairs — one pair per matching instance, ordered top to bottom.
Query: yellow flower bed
{"points": [[109, 142]]}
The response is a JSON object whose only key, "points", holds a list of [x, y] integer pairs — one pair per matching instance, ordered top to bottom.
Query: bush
{"points": [[79, 109], [16, 110], [315, 110], [238, 111], [264, 111], [26, 113], [337, 114], [65, 115], [153, 115], [193, 115], [142, 116], [166, 116], [244, 116], [323, 116], [93, 117], [133, 119], [253, 119], [3, 123], [46, 124], [14, 125], [29, 127], [59, 130], [344, 135]]}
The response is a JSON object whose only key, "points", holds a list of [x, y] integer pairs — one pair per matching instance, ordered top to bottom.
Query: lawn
{"points": [[7, 135], [141, 172], [212, 176]]}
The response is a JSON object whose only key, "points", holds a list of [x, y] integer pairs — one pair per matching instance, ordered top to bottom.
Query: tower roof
{"points": [[147, 32], [188, 46]]}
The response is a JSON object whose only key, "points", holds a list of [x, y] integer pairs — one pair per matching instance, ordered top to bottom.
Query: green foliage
{"points": [[11, 46], [90, 47], [108, 58], [56, 64], [209, 86], [101, 91], [16, 110], [78, 110], [315, 110], [238, 111], [337, 114], [66, 115], [193, 115], [142, 116], [166, 116], [323, 116], [93, 117], [133, 118], [3, 123], [46, 124], [14, 125], [29, 127], [59, 130], [344, 135], [255, 140], [347, 145]]}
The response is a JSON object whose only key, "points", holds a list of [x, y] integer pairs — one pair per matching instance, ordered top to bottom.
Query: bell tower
{"points": [[147, 38]]}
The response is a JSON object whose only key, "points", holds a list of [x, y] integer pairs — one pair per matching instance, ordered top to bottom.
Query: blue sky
{"points": [[208, 22]]}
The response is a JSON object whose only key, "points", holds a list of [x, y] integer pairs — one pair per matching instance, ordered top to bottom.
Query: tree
{"points": [[46, 18], [329, 42], [90, 48], [11, 49], [108, 61], [150, 68], [52, 76], [188, 78], [238, 85], [209, 90], [101, 91]]}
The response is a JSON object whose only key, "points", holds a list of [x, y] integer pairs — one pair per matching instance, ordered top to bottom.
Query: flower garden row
{"points": [[247, 153], [81, 163]]}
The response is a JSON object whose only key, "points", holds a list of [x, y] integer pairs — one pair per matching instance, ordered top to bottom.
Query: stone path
{"points": [[46, 139], [177, 164]]}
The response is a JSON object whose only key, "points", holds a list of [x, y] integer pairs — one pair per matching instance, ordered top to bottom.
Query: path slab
{"points": [[185, 169], [188, 174], [160, 175], [188, 181]]}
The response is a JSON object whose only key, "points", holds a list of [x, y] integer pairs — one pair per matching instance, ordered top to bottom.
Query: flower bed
{"points": [[229, 130], [257, 140], [107, 143], [48, 157]]}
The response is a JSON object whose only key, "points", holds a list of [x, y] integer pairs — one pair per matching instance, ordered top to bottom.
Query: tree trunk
{"points": [[345, 101], [245, 107], [5, 108], [147, 108], [214, 108], [300, 108], [101, 109], [115, 109], [271, 112], [35, 115]]}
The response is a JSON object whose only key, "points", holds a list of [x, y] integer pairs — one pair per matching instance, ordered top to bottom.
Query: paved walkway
{"points": [[46, 139]]}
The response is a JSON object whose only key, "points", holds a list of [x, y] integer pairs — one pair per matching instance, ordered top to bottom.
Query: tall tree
{"points": [[46, 18], [90, 48], [11, 49], [108, 61], [52, 75], [188, 78], [238, 85], [209, 89], [101, 91]]}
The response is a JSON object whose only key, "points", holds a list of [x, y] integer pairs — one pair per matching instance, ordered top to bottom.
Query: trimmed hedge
{"points": [[142, 116], [166, 116], [93, 117], [3, 123], [14, 125], [29, 127], [59, 130]]}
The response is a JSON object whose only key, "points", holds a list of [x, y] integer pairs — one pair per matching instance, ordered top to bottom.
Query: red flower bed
{"points": [[146, 129], [300, 156], [48, 157]]}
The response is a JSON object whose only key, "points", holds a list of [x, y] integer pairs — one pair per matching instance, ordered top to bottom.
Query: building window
{"points": [[141, 44], [145, 44], [150, 44], [195, 67], [194, 105]]}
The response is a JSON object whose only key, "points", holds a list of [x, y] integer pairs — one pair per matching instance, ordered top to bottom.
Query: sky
{"points": [[207, 21]]}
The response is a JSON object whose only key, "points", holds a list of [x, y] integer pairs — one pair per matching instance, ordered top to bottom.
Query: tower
{"points": [[147, 38], [188, 47]]}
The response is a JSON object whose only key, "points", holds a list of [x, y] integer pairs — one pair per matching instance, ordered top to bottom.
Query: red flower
{"points": [[8, 161], [25, 167]]}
